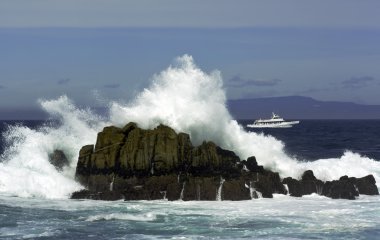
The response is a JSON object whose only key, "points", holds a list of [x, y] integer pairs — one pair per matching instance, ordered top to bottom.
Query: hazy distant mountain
{"points": [[293, 107], [296, 107]]}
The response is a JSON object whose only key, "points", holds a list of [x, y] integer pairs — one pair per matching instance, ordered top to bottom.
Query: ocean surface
{"points": [[316, 139], [34, 196], [283, 217]]}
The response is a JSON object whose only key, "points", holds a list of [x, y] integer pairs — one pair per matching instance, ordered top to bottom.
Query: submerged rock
{"points": [[58, 159], [137, 164], [105, 196]]}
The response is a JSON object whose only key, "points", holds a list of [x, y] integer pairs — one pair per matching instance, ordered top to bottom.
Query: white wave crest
{"points": [[183, 97], [190, 100], [25, 169]]}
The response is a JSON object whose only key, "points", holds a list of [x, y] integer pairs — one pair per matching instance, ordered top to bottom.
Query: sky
{"points": [[95, 51]]}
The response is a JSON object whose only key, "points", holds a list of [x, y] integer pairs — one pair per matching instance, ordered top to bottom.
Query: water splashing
{"points": [[183, 97], [24, 167], [112, 182], [220, 188], [286, 188], [182, 191], [253, 192]]}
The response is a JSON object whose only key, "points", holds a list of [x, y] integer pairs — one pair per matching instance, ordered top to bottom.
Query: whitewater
{"points": [[183, 97], [34, 195]]}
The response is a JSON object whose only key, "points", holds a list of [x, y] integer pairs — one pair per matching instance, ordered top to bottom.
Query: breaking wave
{"points": [[183, 97], [24, 167]]}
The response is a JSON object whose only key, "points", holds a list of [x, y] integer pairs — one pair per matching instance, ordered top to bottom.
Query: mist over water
{"points": [[182, 97]]}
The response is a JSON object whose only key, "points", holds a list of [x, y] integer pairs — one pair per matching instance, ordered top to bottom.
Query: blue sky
{"points": [[87, 49]]}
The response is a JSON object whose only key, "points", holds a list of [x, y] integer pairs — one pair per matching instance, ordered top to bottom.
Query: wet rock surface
{"points": [[58, 159], [131, 163], [345, 187]]}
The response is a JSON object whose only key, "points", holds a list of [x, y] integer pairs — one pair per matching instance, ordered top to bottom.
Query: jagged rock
{"points": [[132, 151], [58, 159], [208, 159], [131, 163], [252, 165], [308, 175], [269, 183], [307, 185], [366, 185], [345, 187], [153, 188], [201, 188], [342, 188], [349, 188], [235, 189]]}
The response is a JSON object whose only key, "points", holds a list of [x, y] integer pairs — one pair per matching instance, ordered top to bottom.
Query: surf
{"points": [[183, 97]]}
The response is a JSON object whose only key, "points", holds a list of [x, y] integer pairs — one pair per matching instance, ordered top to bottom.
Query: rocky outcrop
{"points": [[58, 159], [137, 164], [308, 184], [345, 187]]}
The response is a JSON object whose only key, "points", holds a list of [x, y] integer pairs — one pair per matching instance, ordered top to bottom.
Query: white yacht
{"points": [[275, 122]]}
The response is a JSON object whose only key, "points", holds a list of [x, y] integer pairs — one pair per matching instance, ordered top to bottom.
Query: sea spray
{"points": [[183, 97], [192, 101], [25, 169], [111, 184], [287, 189], [182, 191], [219, 191], [253, 192]]}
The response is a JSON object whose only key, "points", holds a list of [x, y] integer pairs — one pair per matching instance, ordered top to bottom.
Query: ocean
{"points": [[34, 196], [283, 217]]}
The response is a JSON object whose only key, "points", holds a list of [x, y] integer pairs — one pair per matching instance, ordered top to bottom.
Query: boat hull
{"points": [[273, 125]]}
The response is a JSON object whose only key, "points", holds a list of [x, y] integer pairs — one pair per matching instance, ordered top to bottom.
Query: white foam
{"points": [[183, 97], [190, 100], [25, 169], [123, 216]]}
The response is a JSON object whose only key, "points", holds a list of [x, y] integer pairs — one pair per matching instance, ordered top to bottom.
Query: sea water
{"points": [[34, 196], [310, 217]]}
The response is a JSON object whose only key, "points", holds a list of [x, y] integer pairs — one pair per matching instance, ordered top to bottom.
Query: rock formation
{"points": [[58, 159], [135, 164], [345, 187]]}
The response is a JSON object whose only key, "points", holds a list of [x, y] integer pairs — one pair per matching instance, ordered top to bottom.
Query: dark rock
{"points": [[134, 152], [58, 159], [131, 163], [252, 165], [308, 176], [344, 178], [269, 183], [367, 185], [294, 186], [304, 187], [345, 187], [201, 188], [342, 188], [349, 188], [235, 190], [105, 196]]}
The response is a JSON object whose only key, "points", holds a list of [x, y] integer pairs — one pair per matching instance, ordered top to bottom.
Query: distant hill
{"points": [[292, 107], [297, 107]]}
